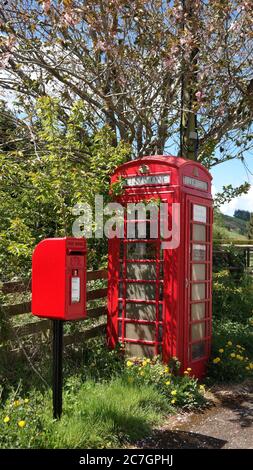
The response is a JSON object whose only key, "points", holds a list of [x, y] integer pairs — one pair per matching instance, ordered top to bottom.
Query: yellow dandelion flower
{"points": [[229, 343], [221, 350], [232, 355], [239, 357], [216, 360], [148, 361], [129, 363], [144, 363], [251, 365], [166, 369], [168, 382], [202, 388], [173, 392], [26, 400], [173, 401], [16, 403], [6, 419], [22, 423]]}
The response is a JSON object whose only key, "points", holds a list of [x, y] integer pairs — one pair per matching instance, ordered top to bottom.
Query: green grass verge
{"points": [[96, 415]]}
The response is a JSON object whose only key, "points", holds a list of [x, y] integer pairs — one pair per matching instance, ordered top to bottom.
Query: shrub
{"points": [[230, 258], [232, 300], [238, 333], [101, 363], [230, 363], [180, 391]]}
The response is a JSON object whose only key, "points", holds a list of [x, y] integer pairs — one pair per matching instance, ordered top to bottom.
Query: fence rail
{"points": [[94, 312], [43, 326]]}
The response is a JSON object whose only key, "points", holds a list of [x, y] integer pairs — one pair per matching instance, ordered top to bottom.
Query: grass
{"points": [[225, 234], [96, 415], [108, 415]]}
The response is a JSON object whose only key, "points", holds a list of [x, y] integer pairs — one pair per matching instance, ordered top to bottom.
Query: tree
{"points": [[127, 60], [40, 186], [228, 193], [243, 215], [250, 227]]}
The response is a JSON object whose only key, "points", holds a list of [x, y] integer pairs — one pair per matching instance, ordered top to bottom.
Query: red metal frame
{"points": [[176, 322], [198, 365]]}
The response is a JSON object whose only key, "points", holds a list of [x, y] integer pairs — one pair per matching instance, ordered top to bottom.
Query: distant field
{"points": [[235, 228], [235, 235]]}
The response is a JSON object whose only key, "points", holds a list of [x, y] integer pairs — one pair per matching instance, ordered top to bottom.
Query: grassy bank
{"points": [[110, 402], [96, 415]]}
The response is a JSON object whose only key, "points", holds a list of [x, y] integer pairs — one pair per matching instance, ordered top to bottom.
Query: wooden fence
{"points": [[42, 326]]}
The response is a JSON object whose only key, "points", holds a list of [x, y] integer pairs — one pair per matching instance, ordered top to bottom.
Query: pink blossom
{"points": [[46, 5], [177, 12], [70, 18], [183, 41], [10, 42], [101, 46], [4, 60], [169, 61], [199, 96], [221, 110]]}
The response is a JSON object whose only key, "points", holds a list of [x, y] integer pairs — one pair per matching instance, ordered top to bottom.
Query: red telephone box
{"points": [[59, 279], [159, 297]]}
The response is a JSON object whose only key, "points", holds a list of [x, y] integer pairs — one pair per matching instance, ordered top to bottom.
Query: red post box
{"points": [[59, 279], [159, 296]]}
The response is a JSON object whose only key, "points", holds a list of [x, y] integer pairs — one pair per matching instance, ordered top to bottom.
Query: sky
{"points": [[234, 172]]}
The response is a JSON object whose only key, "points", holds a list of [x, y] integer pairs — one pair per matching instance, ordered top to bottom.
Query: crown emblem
{"points": [[144, 169]]}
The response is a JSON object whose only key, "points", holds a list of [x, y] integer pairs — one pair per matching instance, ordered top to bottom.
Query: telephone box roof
{"points": [[170, 160]]}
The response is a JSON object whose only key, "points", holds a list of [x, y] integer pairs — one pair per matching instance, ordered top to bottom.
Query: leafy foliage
{"points": [[39, 189], [228, 193], [232, 300], [232, 351], [180, 391]]}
